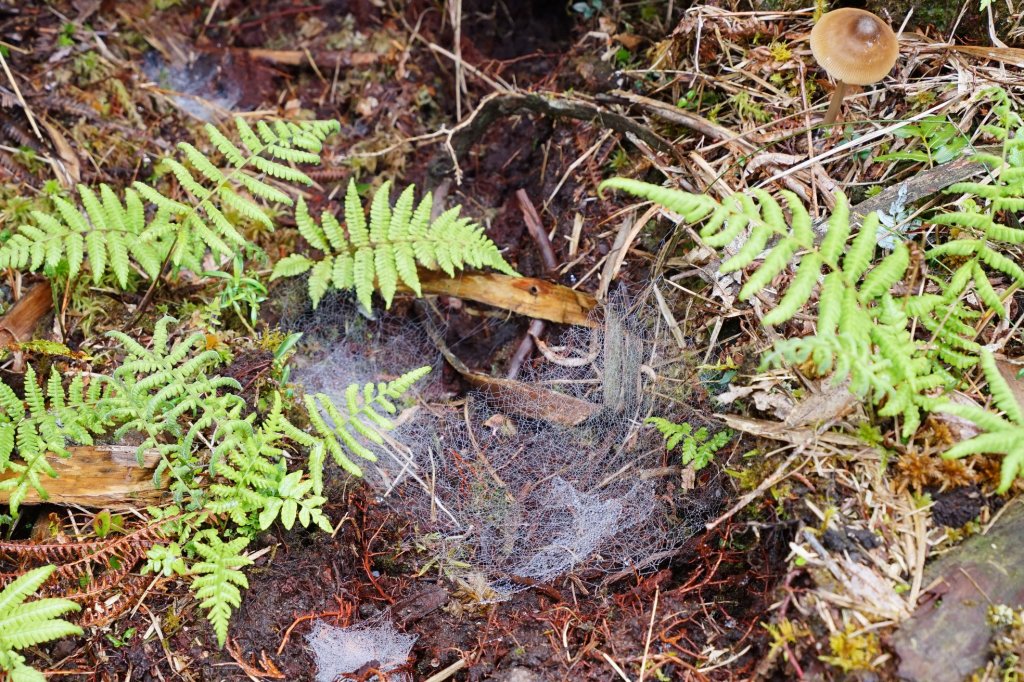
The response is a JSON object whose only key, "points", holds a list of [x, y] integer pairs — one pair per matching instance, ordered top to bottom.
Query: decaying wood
{"points": [[325, 59], [919, 186], [524, 295], [21, 320], [527, 400], [102, 476]]}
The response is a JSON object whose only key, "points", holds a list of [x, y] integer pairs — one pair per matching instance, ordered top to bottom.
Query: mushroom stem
{"points": [[837, 101]]}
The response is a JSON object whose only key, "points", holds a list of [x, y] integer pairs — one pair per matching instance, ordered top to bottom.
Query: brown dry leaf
{"points": [[629, 40], [66, 166], [1009, 370], [536, 403], [822, 407], [960, 428], [782, 432]]}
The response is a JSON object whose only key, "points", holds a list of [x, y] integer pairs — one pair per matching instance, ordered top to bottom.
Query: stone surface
{"points": [[947, 637], [517, 675]]}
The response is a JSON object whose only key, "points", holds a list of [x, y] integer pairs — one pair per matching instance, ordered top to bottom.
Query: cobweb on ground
{"points": [[524, 497], [340, 652]]}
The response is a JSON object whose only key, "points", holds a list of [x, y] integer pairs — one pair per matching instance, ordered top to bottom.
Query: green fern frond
{"points": [[692, 207], [109, 235], [383, 253], [862, 334], [153, 390], [44, 423], [344, 432], [698, 447], [256, 482], [218, 577], [25, 624]]}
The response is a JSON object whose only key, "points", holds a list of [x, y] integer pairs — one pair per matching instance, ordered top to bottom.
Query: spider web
{"points": [[519, 498]]}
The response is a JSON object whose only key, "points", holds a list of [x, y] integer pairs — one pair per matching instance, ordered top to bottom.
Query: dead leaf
{"points": [[629, 40], [66, 166], [1009, 370], [822, 407]]}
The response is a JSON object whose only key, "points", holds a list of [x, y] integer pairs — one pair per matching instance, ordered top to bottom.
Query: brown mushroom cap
{"points": [[854, 46]]}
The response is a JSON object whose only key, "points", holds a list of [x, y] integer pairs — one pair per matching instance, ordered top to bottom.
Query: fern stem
{"points": [[144, 303]]}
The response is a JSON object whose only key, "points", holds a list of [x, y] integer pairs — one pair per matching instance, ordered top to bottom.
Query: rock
{"points": [[947, 638], [517, 675]]}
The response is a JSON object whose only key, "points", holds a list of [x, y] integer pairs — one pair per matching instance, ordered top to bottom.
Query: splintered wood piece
{"points": [[524, 295], [20, 321], [98, 476]]}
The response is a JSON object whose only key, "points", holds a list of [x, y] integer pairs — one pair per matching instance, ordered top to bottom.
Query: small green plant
{"points": [[748, 110], [941, 142], [386, 251], [241, 293], [697, 448], [24, 624], [123, 639], [852, 650]]}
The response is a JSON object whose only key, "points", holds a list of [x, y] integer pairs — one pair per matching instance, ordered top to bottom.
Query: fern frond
{"points": [[692, 207], [107, 233], [384, 253], [342, 432], [1003, 436], [698, 448], [218, 577], [23, 625]]}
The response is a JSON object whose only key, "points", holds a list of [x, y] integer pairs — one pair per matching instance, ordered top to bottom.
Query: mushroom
{"points": [[855, 47]]}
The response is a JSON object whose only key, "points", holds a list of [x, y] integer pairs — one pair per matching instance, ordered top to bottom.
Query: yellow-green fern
{"points": [[108, 234], [385, 252], [862, 333], [1003, 435], [26, 624]]}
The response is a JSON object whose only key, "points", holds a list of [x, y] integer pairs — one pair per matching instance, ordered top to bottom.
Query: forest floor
{"points": [[810, 531]]}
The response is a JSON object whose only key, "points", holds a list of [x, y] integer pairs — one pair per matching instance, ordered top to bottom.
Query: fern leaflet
{"points": [[1003, 435], [698, 447], [23, 625]]}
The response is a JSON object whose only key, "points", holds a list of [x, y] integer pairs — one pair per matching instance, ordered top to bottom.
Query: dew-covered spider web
{"points": [[558, 476], [341, 652]]}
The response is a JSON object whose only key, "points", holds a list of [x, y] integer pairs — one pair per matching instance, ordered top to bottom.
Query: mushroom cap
{"points": [[854, 46]]}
